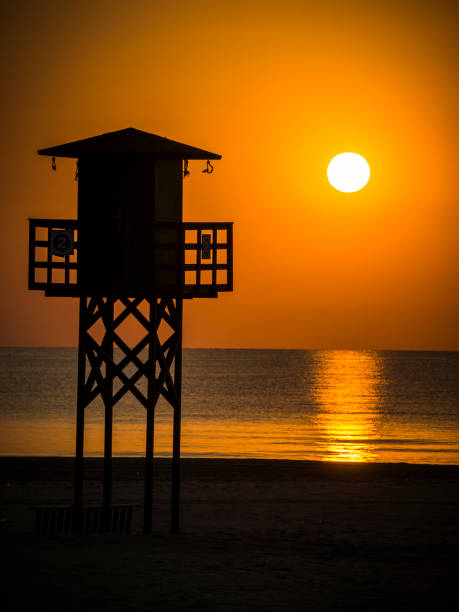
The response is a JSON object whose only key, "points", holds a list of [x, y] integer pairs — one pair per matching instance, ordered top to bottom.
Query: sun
{"points": [[348, 172]]}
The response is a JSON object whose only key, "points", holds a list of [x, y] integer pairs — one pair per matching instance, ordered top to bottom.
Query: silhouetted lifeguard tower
{"points": [[129, 253]]}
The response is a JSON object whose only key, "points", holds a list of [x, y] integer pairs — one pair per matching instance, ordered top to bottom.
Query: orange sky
{"points": [[278, 88]]}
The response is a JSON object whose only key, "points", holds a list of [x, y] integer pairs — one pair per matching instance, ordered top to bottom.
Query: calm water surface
{"points": [[329, 405]]}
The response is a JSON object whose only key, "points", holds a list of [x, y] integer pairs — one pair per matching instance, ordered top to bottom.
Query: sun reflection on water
{"points": [[345, 389]]}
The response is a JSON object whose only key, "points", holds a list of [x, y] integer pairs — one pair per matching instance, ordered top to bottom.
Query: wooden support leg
{"points": [[107, 345], [78, 474], [148, 484], [148, 491], [175, 507]]}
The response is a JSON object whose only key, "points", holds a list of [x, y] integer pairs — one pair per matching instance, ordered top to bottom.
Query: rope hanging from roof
{"points": [[209, 168], [186, 172]]}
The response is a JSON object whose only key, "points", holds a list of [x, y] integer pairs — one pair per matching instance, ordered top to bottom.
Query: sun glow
{"points": [[348, 172]]}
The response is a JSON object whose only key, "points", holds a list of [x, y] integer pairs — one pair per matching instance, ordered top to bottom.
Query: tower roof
{"points": [[129, 141]]}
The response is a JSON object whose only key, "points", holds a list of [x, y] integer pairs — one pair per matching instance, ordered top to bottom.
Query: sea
{"points": [[327, 405]]}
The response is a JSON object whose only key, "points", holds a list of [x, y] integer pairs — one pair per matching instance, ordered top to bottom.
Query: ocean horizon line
{"points": [[255, 348]]}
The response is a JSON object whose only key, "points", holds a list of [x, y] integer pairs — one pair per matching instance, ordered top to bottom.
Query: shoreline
{"points": [[48, 469]]}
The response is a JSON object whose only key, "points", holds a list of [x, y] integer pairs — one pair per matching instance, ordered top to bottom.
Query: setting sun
{"points": [[348, 172]]}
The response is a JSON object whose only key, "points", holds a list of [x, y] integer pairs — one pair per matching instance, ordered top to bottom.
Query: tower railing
{"points": [[202, 266]]}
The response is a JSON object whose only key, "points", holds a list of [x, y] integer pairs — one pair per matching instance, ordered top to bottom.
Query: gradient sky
{"points": [[278, 88]]}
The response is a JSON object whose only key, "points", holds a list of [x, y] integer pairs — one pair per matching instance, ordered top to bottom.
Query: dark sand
{"points": [[256, 535]]}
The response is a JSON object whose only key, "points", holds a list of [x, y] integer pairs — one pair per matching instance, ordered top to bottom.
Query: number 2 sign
{"points": [[61, 242]]}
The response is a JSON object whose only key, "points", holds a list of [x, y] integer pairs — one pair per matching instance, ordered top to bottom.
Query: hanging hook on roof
{"points": [[53, 163], [209, 168], [186, 172]]}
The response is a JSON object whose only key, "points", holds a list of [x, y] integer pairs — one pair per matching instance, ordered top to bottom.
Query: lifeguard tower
{"points": [[129, 253]]}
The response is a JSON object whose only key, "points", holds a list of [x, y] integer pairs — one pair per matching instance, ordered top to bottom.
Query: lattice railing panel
{"points": [[53, 254], [189, 260]]}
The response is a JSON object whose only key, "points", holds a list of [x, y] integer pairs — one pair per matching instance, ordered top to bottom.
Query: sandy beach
{"points": [[255, 535]]}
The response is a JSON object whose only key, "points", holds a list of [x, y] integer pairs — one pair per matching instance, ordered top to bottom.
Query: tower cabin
{"points": [[129, 238]]}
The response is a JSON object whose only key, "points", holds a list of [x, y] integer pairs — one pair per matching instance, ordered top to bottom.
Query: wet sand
{"points": [[255, 535]]}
